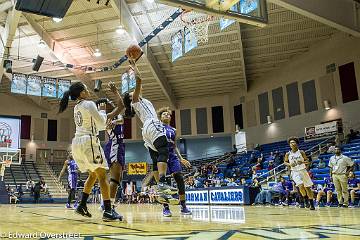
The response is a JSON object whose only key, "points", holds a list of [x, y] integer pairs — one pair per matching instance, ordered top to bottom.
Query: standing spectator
{"points": [[340, 166], [354, 187], [37, 190], [12, 196]]}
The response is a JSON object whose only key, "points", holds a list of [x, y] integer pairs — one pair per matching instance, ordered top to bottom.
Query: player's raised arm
{"points": [[136, 94], [120, 106], [63, 170]]}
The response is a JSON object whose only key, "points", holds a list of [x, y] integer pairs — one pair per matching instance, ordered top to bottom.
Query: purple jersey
{"points": [[114, 149], [173, 162], [72, 169], [353, 183], [288, 185], [329, 185]]}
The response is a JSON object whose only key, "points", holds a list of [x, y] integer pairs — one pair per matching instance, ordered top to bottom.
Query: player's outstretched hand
{"points": [[112, 87], [186, 163]]}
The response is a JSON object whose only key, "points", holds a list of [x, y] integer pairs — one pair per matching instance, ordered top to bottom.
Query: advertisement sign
{"points": [[321, 130], [139, 168]]}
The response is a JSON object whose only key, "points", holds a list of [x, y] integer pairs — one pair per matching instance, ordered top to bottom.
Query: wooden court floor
{"points": [[146, 222]]}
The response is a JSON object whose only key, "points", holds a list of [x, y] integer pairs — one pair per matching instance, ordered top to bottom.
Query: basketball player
{"points": [[153, 131], [86, 148], [114, 149], [296, 160], [174, 162], [72, 169]]}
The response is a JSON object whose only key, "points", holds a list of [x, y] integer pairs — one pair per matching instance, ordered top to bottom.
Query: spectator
{"points": [[352, 135], [258, 147], [331, 148], [234, 149], [271, 157], [252, 158], [259, 164], [321, 164], [271, 166], [243, 182], [231, 183], [30, 186], [44, 187], [354, 188], [327, 189], [37, 190], [20, 191], [290, 191], [267, 195], [12, 196]]}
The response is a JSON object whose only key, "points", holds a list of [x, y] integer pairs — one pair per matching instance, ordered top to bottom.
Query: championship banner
{"points": [[321, 131], [139, 168]]}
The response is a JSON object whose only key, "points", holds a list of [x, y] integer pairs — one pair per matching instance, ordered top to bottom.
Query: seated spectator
{"points": [[352, 135], [258, 147], [331, 148], [234, 149], [271, 157], [252, 158], [259, 164], [321, 164], [271, 166], [231, 183], [43, 185], [30, 186], [354, 188], [328, 190], [20, 191], [290, 192], [12, 196], [266, 196]]}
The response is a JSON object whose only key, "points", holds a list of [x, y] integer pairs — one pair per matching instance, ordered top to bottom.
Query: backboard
{"points": [[253, 12], [10, 156]]}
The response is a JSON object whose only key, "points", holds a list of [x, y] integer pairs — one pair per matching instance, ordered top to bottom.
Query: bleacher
{"points": [[351, 150], [17, 175]]}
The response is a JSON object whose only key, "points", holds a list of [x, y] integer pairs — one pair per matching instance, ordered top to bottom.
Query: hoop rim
{"points": [[195, 21]]}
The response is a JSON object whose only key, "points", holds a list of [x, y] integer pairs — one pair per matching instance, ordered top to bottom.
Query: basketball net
{"points": [[198, 24]]}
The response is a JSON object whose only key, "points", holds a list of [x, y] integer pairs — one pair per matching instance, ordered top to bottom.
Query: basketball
{"points": [[134, 52]]}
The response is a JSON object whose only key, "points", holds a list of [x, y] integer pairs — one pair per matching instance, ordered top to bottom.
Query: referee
{"points": [[340, 166]]}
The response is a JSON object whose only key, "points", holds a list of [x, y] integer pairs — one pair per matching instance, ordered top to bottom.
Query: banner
{"points": [[321, 131], [240, 141], [139, 168], [197, 196], [227, 196]]}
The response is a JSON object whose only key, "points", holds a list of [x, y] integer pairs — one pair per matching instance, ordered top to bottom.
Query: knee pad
{"points": [[114, 181], [180, 183]]}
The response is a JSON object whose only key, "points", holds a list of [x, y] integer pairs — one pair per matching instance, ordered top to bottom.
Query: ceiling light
{"points": [[150, 1], [57, 20], [120, 30], [41, 44], [97, 53], [327, 105], [269, 119], [211, 136]]}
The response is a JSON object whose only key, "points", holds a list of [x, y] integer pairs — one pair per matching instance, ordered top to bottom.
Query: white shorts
{"points": [[152, 130], [88, 153], [301, 177]]}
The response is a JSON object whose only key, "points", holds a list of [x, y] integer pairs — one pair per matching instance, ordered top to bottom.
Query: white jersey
{"points": [[145, 110], [88, 119], [295, 157]]}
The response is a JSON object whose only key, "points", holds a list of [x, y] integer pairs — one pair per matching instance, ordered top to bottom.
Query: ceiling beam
{"points": [[343, 15], [129, 23], [8, 35], [60, 53], [242, 67]]}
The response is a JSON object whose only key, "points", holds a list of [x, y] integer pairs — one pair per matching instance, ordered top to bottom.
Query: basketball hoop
{"points": [[197, 23]]}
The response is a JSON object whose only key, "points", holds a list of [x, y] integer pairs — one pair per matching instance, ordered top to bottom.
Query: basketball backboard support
{"points": [[253, 12], [10, 156]]}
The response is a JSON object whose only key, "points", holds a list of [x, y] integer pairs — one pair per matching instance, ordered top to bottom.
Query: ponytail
{"points": [[73, 93], [64, 101]]}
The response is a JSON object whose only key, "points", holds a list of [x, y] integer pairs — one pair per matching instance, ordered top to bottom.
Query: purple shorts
{"points": [[115, 153], [174, 165]]}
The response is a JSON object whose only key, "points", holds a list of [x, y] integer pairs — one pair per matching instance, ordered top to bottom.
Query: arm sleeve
{"points": [[99, 116]]}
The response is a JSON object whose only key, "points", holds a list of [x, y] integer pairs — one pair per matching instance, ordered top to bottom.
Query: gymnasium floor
{"points": [[146, 222]]}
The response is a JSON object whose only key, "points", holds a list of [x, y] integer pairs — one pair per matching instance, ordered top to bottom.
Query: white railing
{"points": [[268, 173], [54, 178]]}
